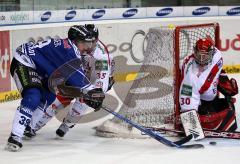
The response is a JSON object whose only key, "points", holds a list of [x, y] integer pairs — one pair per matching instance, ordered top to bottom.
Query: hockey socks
{"points": [[21, 120]]}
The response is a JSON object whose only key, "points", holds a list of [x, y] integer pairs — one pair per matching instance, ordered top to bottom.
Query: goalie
{"points": [[202, 78]]}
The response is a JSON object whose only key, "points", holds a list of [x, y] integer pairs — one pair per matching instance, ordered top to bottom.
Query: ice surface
{"points": [[80, 146]]}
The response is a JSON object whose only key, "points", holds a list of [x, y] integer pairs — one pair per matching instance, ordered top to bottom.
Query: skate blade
{"points": [[12, 147]]}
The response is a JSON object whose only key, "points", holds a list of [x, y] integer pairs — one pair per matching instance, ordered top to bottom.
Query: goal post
{"points": [[152, 99]]}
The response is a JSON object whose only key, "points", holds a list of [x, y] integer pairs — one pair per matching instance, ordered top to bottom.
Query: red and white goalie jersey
{"points": [[199, 82]]}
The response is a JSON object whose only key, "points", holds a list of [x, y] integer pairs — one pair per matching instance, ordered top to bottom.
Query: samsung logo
{"points": [[201, 11], [234, 11], [164, 12], [130, 13], [98, 14], [70, 15], [46, 16]]}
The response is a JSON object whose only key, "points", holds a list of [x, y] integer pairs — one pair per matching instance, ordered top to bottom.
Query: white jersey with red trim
{"points": [[99, 66], [199, 83]]}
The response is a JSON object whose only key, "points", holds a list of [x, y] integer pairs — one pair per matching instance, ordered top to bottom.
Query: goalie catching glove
{"points": [[228, 87], [94, 98]]}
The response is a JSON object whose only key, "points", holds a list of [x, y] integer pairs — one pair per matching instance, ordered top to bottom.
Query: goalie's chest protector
{"points": [[199, 83]]}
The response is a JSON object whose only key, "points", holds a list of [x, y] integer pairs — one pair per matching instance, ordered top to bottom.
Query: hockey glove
{"points": [[227, 87], [69, 91], [94, 98]]}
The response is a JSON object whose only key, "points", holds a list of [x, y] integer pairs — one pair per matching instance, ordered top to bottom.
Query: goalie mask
{"points": [[203, 51]]}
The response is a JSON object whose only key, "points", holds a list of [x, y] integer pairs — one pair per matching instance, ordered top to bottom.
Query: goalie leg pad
{"points": [[221, 121], [191, 124]]}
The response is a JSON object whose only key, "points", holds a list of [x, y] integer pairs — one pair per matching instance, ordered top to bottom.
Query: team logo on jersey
{"points": [[201, 11], [164, 12], [101, 65], [186, 90]]}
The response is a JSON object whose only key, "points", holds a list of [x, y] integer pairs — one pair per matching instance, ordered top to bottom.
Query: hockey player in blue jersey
{"points": [[45, 67], [101, 77]]}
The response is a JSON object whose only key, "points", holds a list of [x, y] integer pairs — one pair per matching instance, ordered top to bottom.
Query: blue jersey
{"points": [[55, 56]]}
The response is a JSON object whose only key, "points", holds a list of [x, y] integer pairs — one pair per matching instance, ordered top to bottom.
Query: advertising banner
{"points": [[229, 10], [164, 11], [194, 11], [117, 13], [126, 13], [96, 14], [71, 15], [46, 16], [18, 17], [5, 79]]}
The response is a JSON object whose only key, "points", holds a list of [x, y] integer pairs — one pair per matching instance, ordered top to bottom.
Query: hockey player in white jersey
{"points": [[99, 67], [201, 80]]}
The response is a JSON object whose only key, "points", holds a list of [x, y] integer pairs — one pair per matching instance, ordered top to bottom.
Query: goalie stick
{"points": [[207, 133], [156, 135]]}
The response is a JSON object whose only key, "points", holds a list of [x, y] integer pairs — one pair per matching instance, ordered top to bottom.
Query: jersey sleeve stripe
{"points": [[105, 47], [184, 65], [210, 78]]}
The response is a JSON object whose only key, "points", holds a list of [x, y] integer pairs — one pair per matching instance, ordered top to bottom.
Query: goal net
{"points": [[152, 100]]}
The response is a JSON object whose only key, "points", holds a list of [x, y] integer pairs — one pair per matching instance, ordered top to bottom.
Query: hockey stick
{"points": [[207, 133], [156, 135]]}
